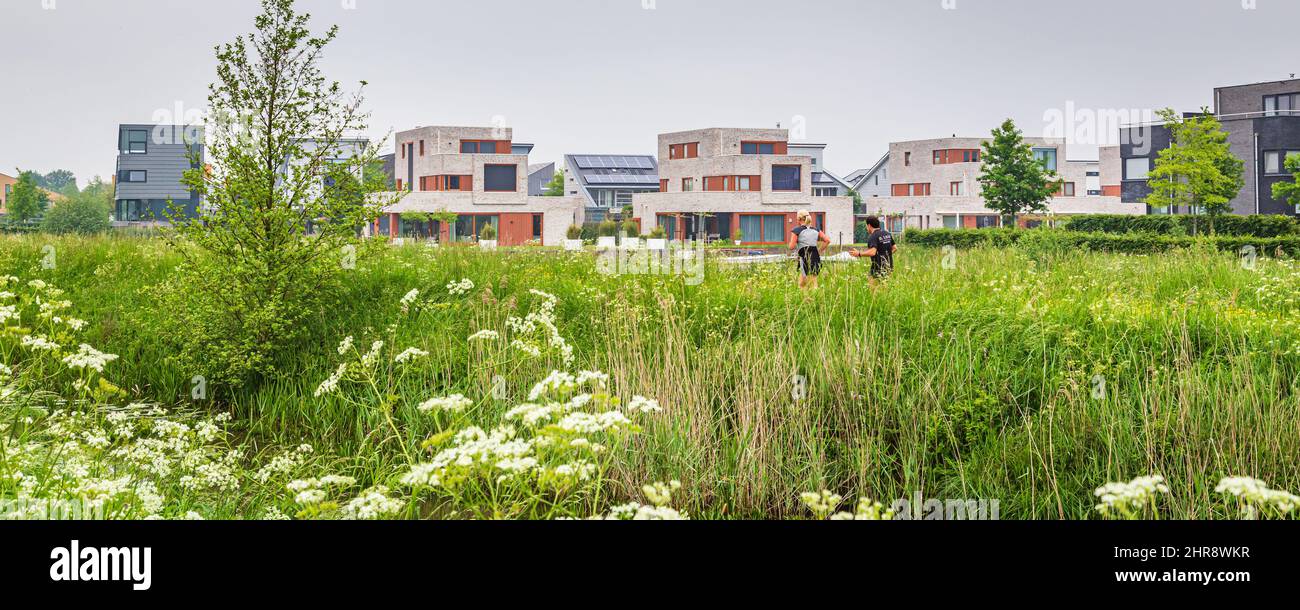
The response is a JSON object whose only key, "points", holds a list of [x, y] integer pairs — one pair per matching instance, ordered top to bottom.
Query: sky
{"points": [[607, 76]]}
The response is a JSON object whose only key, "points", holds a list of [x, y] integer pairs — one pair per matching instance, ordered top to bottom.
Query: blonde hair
{"points": [[805, 217]]}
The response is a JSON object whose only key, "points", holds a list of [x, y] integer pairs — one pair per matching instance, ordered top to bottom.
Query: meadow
{"points": [[455, 383]]}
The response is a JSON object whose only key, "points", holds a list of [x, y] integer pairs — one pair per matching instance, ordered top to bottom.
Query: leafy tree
{"points": [[1198, 169], [60, 181], [1013, 181], [555, 188], [1289, 191], [28, 199], [85, 212], [251, 281]]}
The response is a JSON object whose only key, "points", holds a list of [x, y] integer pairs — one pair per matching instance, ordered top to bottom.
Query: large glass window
{"points": [[1281, 105], [135, 141], [757, 148], [1046, 156], [1275, 161], [1137, 168], [133, 175], [500, 178], [787, 178], [951, 222], [669, 224], [470, 226], [762, 229]]}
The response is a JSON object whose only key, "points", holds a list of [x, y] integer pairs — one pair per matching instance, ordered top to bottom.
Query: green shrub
{"points": [[82, 215], [1174, 225], [630, 227], [607, 228], [574, 232], [488, 233], [659, 233], [1127, 243]]}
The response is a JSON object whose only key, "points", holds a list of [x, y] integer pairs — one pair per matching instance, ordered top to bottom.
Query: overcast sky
{"points": [[606, 76]]}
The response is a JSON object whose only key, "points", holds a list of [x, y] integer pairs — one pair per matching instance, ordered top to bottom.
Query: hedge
{"points": [[1179, 225], [1129, 243]]}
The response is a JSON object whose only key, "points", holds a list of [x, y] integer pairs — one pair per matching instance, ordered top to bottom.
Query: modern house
{"points": [[1263, 125], [151, 161], [540, 175], [481, 176], [872, 181], [715, 182], [7, 183], [607, 183], [935, 184]]}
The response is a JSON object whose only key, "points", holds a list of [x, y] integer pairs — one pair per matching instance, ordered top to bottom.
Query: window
{"points": [[1281, 105], [135, 141], [481, 147], [421, 148], [759, 148], [684, 151], [959, 155], [1046, 156], [907, 159], [1275, 161], [1137, 168], [133, 175], [500, 178], [787, 178], [742, 183], [663, 185], [688, 185], [920, 189], [957, 189], [1067, 189], [826, 192], [951, 222], [986, 222], [669, 224], [896, 224], [469, 226], [537, 227], [762, 228]]}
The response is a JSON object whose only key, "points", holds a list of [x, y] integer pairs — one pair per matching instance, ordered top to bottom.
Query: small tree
{"points": [[1198, 169], [1012, 180], [60, 181], [555, 188], [1289, 191], [28, 199], [252, 280]]}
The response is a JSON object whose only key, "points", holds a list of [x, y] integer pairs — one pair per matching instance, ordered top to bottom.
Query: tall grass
{"points": [[1027, 375]]}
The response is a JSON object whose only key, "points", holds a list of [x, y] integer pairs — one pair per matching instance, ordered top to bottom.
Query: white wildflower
{"points": [[89, 357]]}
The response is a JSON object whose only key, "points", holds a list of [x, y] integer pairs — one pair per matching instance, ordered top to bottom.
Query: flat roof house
{"points": [[1263, 125], [151, 161], [482, 176], [715, 182], [7, 183], [607, 183], [935, 184]]}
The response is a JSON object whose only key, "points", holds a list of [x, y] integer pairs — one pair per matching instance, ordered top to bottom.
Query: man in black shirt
{"points": [[880, 249]]}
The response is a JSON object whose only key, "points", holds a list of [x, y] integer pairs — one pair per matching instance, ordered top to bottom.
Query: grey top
{"points": [[809, 237]]}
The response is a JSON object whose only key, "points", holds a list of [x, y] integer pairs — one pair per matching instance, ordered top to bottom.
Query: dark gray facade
{"points": [[1263, 125], [151, 161]]}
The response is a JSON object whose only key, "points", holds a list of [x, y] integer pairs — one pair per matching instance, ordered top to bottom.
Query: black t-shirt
{"points": [[883, 243]]}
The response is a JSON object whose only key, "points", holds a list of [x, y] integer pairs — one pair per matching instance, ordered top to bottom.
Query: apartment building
{"points": [[1263, 125], [151, 161], [482, 176], [714, 182], [7, 183], [607, 183], [935, 184]]}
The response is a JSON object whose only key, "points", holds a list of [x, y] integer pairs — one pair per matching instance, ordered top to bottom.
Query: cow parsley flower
{"points": [[460, 288], [409, 300], [485, 335], [39, 343], [345, 346], [410, 354], [89, 357], [331, 385], [451, 404], [641, 404], [1256, 495], [1129, 499], [822, 504], [372, 505]]}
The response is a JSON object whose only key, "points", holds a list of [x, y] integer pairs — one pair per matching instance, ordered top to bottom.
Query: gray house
{"points": [[1263, 125], [151, 161], [608, 182]]}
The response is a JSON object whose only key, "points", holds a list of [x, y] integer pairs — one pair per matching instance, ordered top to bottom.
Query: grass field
{"points": [[1027, 375]]}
